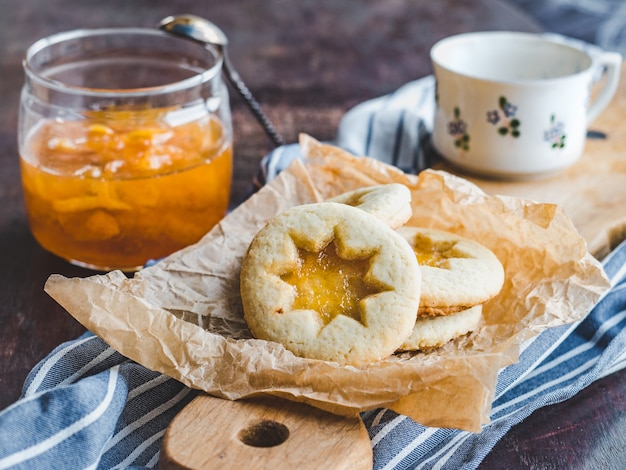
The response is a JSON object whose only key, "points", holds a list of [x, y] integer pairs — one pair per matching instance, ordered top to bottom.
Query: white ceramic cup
{"points": [[514, 104]]}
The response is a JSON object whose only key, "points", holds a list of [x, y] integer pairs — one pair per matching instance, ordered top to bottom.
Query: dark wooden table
{"points": [[307, 62]]}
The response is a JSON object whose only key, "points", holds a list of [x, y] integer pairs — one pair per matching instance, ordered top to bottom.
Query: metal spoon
{"points": [[203, 31]]}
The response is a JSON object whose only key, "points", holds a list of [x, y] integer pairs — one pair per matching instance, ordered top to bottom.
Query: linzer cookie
{"points": [[391, 203], [458, 274], [330, 281], [434, 332]]}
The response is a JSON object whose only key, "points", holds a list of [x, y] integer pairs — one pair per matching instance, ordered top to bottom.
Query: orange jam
{"points": [[124, 187], [435, 254], [329, 284]]}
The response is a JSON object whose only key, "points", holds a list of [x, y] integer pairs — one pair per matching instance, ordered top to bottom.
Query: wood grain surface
{"points": [[263, 433]]}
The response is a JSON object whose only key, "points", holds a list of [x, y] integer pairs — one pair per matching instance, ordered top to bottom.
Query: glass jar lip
{"points": [[57, 85]]}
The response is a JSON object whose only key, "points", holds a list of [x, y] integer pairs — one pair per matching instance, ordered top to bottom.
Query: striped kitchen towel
{"points": [[87, 406]]}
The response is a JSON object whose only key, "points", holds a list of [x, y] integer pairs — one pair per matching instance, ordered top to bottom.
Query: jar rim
{"points": [[58, 38]]}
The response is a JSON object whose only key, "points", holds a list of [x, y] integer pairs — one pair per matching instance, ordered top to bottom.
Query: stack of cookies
{"points": [[344, 280]]}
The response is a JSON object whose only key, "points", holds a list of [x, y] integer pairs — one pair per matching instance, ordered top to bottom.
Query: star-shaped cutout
{"points": [[436, 254], [331, 285]]}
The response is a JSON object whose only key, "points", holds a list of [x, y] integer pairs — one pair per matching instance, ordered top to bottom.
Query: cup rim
{"points": [[526, 36], [57, 38]]}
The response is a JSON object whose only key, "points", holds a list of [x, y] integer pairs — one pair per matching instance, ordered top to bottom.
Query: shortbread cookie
{"points": [[390, 203], [457, 272], [331, 282], [430, 333]]}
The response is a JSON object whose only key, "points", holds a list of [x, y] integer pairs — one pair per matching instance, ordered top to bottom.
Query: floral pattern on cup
{"points": [[505, 116], [458, 129], [555, 134]]}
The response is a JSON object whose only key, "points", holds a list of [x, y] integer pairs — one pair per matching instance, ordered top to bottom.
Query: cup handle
{"points": [[612, 61]]}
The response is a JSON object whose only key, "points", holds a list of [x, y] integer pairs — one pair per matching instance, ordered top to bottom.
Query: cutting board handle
{"points": [[264, 433]]}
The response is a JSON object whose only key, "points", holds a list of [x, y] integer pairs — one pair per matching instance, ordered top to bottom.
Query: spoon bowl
{"points": [[194, 27], [203, 31]]}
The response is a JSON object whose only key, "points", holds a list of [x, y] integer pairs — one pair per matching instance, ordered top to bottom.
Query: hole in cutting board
{"points": [[264, 433]]}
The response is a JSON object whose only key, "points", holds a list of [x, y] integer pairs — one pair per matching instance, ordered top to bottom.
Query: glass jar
{"points": [[125, 141]]}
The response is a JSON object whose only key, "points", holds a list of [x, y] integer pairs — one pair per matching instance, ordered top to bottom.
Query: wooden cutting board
{"points": [[263, 433], [278, 434]]}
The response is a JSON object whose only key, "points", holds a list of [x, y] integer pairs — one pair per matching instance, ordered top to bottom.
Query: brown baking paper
{"points": [[183, 316]]}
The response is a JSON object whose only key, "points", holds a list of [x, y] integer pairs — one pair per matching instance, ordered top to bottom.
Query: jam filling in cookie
{"points": [[436, 254], [329, 284]]}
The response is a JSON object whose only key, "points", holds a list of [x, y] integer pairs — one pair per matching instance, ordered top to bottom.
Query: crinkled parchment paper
{"points": [[183, 316]]}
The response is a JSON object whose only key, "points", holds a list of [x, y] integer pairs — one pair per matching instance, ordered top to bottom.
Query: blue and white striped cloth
{"points": [[87, 406]]}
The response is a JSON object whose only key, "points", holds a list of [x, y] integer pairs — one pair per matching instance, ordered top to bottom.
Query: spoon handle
{"points": [[236, 81]]}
